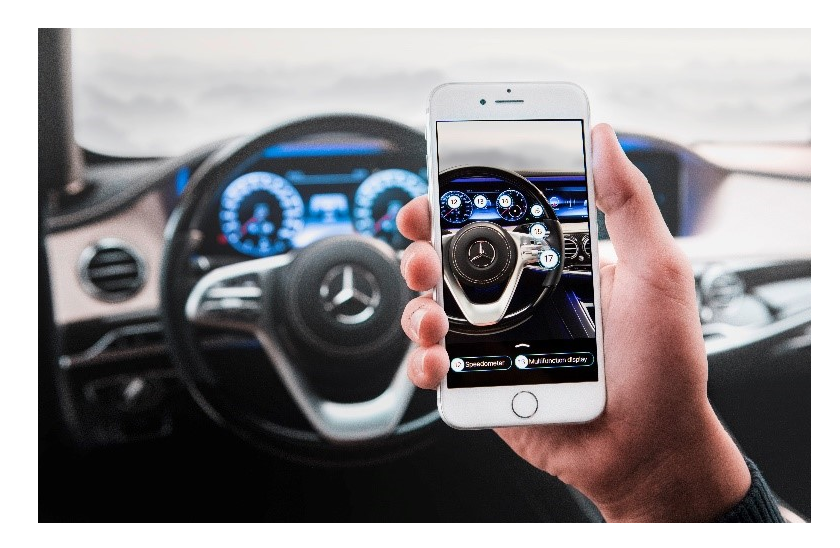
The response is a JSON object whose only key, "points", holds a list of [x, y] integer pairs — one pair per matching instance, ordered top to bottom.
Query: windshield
{"points": [[162, 92]]}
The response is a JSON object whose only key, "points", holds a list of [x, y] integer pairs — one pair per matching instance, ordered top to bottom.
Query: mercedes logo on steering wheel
{"points": [[481, 254], [350, 293]]}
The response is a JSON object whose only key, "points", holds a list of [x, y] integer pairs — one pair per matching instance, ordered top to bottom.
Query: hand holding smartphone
{"points": [[513, 220], [662, 454]]}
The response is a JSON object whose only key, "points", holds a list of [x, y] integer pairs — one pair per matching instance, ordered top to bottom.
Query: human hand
{"points": [[658, 452]]}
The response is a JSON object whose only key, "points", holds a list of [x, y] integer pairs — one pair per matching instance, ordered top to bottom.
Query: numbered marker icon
{"points": [[538, 230], [549, 259]]}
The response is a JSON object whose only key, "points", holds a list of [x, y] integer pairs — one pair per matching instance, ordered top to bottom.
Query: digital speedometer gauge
{"points": [[379, 199], [511, 205], [455, 207], [260, 213]]}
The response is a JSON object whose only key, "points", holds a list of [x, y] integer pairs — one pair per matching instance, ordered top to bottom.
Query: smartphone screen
{"points": [[517, 252]]}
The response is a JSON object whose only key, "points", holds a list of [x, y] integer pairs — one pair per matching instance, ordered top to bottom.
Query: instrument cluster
{"points": [[298, 193], [480, 199]]}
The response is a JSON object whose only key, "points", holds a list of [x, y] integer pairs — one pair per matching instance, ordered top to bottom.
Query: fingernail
{"points": [[404, 262], [416, 318], [417, 363]]}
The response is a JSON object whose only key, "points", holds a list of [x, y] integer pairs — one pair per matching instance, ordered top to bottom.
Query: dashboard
{"points": [[294, 192]]}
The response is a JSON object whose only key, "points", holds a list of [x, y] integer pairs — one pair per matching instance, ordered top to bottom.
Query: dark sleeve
{"points": [[758, 506]]}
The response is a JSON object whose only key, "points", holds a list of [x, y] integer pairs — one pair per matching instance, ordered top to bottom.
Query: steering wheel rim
{"points": [[508, 320], [183, 337]]}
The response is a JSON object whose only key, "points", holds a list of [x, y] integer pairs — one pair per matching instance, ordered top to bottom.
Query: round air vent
{"points": [[587, 245], [571, 249], [111, 270]]}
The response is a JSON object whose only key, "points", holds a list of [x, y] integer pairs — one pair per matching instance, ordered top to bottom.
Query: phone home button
{"points": [[524, 404]]}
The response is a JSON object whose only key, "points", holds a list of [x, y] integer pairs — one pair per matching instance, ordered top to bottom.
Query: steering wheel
{"points": [[483, 263], [326, 317]]}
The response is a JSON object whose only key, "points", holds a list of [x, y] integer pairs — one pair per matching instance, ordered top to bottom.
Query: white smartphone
{"points": [[514, 222]]}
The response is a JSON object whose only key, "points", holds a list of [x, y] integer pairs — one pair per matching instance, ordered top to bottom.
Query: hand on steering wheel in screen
{"points": [[658, 452]]}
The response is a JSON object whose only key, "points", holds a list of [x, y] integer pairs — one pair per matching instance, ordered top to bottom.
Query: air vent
{"points": [[587, 245], [570, 247], [111, 270]]}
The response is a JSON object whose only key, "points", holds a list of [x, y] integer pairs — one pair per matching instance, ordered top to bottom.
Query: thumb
{"points": [[637, 230]]}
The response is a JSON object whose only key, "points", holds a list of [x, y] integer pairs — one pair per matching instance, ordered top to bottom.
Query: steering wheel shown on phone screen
{"points": [[483, 261]]}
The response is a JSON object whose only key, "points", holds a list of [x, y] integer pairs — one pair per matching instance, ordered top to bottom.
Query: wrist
{"points": [[698, 478]]}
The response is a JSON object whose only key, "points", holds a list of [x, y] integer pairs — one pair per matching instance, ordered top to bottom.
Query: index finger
{"points": [[414, 220]]}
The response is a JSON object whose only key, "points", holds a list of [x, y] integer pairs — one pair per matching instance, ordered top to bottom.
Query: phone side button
{"points": [[524, 404]]}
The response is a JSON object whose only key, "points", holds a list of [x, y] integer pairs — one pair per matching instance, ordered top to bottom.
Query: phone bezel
{"points": [[486, 407]]}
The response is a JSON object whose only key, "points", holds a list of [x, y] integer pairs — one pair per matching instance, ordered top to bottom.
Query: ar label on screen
{"points": [[549, 259]]}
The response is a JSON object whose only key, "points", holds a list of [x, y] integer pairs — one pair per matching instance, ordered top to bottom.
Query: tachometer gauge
{"points": [[379, 199], [511, 205], [455, 207], [260, 213]]}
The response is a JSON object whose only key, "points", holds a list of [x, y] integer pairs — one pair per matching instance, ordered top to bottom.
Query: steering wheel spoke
{"points": [[232, 297], [235, 297], [343, 422]]}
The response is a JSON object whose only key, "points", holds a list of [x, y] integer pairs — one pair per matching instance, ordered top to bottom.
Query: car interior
{"points": [[220, 340]]}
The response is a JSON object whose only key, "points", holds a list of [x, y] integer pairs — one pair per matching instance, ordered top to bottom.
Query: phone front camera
{"points": [[482, 101]]}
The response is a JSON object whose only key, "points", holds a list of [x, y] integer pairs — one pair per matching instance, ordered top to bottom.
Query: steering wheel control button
{"points": [[536, 210], [538, 230], [482, 254], [549, 259], [234, 303], [558, 359], [480, 363], [524, 405]]}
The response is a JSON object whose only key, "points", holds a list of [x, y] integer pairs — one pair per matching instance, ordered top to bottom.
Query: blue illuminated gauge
{"points": [[379, 199], [511, 205], [455, 207], [260, 214]]}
